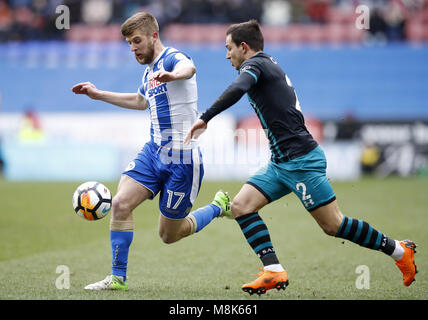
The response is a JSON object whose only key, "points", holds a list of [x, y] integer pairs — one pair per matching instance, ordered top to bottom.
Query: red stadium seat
{"points": [[336, 15], [424, 15], [415, 31], [113, 32], [175, 32], [215, 32], [425, 32], [82, 33], [273, 33], [293, 33], [315, 33], [335, 33], [354, 34]]}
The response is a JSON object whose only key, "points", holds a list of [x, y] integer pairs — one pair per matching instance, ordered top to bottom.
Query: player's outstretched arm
{"points": [[183, 70], [229, 97], [124, 100]]}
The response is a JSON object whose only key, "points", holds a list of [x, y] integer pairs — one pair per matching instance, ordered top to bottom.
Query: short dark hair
{"points": [[248, 32]]}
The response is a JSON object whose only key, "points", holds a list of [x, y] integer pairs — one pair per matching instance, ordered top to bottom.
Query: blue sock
{"points": [[204, 215], [120, 242]]}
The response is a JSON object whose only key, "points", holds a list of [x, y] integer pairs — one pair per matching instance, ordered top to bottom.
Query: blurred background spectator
{"points": [[34, 19], [362, 90], [31, 129]]}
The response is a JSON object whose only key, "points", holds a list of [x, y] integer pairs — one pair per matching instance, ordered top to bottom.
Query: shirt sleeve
{"points": [[171, 60], [252, 69], [231, 95]]}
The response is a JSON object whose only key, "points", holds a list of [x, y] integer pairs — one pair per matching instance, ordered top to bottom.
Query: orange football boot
{"points": [[407, 263], [267, 280]]}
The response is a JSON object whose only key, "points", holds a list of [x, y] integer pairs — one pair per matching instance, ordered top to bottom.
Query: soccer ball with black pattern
{"points": [[92, 200]]}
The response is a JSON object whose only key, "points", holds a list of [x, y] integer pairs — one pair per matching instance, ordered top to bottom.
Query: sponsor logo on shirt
{"points": [[245, 68], [155, 87]]}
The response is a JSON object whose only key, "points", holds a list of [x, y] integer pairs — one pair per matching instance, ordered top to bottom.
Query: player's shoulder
{"points": [[176, 54], [171, 57], [262, 58], [258, 60], [261, 63], [254, 64]]}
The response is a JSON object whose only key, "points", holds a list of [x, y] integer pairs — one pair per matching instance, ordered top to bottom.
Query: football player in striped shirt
{"points": [[165, 165], [297, 165]]}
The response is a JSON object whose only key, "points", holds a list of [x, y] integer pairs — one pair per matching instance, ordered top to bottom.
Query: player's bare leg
{"points": [[129, 195], [248, 200], [245, 207], [328, 217], [334, 223], [172, 230]]}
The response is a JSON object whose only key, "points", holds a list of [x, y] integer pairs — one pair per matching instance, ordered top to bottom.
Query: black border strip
{"points": [[261, 191], [323, 204]]}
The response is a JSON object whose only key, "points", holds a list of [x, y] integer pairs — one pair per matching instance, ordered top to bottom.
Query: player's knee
{"points": [[120, 208], [238, 208], [168, 238]]}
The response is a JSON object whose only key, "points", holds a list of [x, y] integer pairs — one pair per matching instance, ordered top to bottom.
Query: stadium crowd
{"points": [[22, 20]]}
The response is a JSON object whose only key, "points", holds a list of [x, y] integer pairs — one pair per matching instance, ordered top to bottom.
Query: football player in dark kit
{"points": [[297, 164]]}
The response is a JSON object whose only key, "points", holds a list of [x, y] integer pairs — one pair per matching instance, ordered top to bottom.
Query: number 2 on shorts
{"points": [[303, 187], [306, 198]]}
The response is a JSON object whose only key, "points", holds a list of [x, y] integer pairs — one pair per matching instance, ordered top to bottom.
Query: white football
{"points": [[92, 200]]}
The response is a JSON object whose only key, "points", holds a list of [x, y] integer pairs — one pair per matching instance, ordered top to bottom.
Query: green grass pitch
{"points": [[39, 231]]}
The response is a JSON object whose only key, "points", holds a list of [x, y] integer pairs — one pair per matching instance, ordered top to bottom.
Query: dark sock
{"points": [[361, 233], [257, 235]]}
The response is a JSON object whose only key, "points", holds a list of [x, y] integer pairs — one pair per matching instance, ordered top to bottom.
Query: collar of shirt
{"points": [[151, 65]]}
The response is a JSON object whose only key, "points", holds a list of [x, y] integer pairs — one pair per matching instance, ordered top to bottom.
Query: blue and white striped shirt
{"points": [[173, 105]]}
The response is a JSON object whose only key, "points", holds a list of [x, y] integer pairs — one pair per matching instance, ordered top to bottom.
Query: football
{"points": [[92, 200]]}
